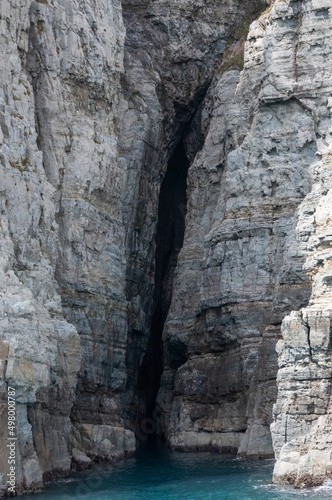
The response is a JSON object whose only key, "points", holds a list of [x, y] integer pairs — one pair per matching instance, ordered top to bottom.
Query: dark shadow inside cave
{"points": [[169, 240]]}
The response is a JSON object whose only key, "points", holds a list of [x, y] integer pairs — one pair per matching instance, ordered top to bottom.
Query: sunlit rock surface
{"points": [[96, 101]]}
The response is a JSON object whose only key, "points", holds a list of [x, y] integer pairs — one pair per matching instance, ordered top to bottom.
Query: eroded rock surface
{"points": [[171, 51], [59, 80], [97, 101], [82, 157], [240, 269], [303, 409], [302, 413]]}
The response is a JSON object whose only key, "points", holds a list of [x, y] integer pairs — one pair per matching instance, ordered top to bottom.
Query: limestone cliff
{"points": [[59, 171], [165, 225], [240, 269], [302, 414]]}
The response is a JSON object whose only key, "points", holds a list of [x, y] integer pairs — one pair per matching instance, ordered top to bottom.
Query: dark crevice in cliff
{"points": [[169, 239]]}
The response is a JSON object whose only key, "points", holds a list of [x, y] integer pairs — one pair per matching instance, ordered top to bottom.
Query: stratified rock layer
{"points": [[171, 51], [59, 80], [89, 120], [82, 159], [241, 267], [40, 351], [302, 413]]}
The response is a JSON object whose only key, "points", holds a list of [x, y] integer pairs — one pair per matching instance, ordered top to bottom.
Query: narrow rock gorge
{"points": [[165, 250]]}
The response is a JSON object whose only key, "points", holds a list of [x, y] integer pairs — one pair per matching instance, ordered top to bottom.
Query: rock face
{"points": [[171, 51], [59, 171], [164, 223], [247, 237], [240, 260], [40, 351], [302, 413], [80, 461]]}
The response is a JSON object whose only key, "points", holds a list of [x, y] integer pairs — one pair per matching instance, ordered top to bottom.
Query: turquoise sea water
{"points": [[158, 474]]}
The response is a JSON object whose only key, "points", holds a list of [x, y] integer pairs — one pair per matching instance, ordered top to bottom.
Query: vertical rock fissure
{"points": [[169, 240]]}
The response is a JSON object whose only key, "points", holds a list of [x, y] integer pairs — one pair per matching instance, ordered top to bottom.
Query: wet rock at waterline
{"points": [[165, 232]]}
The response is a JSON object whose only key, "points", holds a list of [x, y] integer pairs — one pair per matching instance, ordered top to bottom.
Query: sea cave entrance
{"points": [[172, 210]]}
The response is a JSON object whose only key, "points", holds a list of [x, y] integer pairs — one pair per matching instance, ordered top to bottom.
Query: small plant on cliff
{"points": [[255, 10], [40, 27], [233, 57], [22, 166]]}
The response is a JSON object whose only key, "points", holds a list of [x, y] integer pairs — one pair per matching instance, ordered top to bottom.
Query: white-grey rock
{"points": [[49, 50], [88, 122], [240, 269], [302, 413], [105, 442], [80, 460]]}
